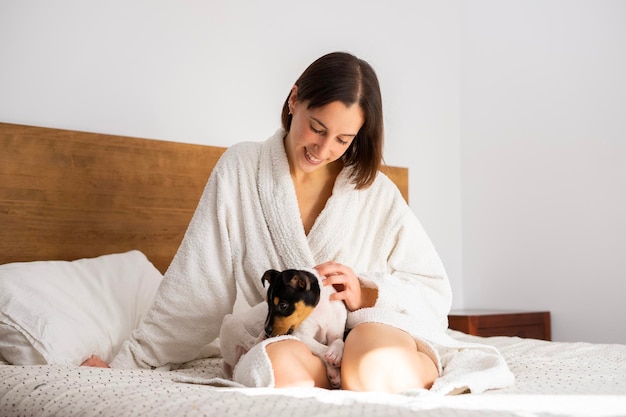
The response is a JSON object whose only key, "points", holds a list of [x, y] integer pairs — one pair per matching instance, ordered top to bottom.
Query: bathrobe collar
{"points": [[282, 213]]}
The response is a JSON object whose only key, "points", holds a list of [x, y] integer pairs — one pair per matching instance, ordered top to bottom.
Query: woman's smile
{"points": [[310, 158]]}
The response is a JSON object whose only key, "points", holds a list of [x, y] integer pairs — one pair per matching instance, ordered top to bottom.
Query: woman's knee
{"points": [[379, 357], [294, 365]]}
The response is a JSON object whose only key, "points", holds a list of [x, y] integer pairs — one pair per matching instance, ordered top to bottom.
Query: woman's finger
{"points": [[329, 268]]}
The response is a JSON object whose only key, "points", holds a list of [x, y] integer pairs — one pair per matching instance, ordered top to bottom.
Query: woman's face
{"points": [[320, 136]]}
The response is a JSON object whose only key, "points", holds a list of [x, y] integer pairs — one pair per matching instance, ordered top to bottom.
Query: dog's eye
{"points": [[282, 306]]}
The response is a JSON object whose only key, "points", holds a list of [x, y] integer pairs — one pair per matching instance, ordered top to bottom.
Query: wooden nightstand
{"points": [[531, 324]]}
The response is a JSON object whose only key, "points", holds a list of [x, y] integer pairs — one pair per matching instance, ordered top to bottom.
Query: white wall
{"points": [[217, 72], [543, 138]]}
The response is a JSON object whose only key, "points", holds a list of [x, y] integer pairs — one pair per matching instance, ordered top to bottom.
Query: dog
{"points": [[299, 305]]}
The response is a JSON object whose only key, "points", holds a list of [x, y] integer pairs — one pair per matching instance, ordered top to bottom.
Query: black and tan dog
{"points": [[298, 304]]}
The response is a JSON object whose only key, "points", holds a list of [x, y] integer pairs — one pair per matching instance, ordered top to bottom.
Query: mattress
{"points": [[552, 379]]}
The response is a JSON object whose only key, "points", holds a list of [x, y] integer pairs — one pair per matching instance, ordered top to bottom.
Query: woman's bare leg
{"points": [[378, 357], [295, 366]]}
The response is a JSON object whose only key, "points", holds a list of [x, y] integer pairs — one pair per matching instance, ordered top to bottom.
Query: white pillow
{"points": [[59, 312]]}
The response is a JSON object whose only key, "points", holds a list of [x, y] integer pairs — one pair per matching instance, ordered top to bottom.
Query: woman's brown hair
{"points": [[340, 76]]}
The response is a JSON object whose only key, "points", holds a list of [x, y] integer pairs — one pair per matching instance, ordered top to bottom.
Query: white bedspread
{"points": [[552, 379]]}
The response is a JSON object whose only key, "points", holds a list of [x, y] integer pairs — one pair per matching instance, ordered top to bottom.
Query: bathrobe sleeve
{"points": [[198, 289], [414, 293]]}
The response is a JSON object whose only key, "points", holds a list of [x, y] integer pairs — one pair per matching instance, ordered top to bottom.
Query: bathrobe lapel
{"points": [[280, 206], [282, 214], [333, 227]]}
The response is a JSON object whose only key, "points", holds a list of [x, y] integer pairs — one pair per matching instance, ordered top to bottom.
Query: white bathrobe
{"points": [[248, 221]]}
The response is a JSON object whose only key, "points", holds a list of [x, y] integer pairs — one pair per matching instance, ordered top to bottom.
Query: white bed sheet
{"points": [[552, 379]]}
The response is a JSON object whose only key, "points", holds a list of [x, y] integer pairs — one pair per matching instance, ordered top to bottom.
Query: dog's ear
{"points": [[268, 276], [300, 281]]}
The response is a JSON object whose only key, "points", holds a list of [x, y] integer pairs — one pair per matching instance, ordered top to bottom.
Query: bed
{"points": [[89, 223]]}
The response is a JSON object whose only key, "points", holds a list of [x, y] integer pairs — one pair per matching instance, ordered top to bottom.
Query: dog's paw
{"points": [[334, 353], [332, 358], [334, 376]]}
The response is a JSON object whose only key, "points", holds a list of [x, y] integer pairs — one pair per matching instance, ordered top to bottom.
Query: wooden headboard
{"points": [[67, 195]]}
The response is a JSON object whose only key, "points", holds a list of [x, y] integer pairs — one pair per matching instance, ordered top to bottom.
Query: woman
{"points": [[309, 196]]}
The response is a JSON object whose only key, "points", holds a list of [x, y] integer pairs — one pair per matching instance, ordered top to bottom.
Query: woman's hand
{"points": [[348, 286], [95, 362]]}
